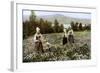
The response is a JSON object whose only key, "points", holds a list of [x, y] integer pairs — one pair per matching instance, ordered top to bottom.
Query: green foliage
{"points": [[32, 16], [74, 26], [78, 26], [29, 27], [58, 27], [88, 27], [61, 28], [76, 51], [62, 53]]}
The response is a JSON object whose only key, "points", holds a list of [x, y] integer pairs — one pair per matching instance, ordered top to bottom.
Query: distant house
{"points": [[66, 26]]}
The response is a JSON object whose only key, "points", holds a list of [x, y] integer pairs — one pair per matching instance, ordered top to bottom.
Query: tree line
{"points": [[29, 26], [79, 26]]}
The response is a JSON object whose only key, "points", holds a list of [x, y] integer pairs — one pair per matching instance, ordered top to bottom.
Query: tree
{"points": [[32, 16], [41, 25], [72, 25], [56, 26], [76, 26], [48, 27], [80, 27], [88, 27], [61, 28], [84, 28], [25, 29]]}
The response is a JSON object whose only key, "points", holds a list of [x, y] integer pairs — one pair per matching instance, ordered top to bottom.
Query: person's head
{"points": [[70, 28], [37, 30], [64, 30]]}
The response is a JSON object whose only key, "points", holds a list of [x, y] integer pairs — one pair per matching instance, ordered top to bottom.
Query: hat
{"points": [[37, 29], [64, 30]]}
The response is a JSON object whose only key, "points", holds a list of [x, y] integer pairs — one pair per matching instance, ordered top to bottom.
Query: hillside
{"points": [[61, 18]]}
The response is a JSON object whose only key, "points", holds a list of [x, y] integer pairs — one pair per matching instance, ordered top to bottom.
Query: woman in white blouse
{"points": [[38, 40]]}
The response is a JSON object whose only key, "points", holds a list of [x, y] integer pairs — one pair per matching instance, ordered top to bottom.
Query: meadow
{"points": [[80, 50]]}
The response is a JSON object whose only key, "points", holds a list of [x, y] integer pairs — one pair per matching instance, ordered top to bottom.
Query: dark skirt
{"points": [[71, 38], [64, 40], [39, 46]]}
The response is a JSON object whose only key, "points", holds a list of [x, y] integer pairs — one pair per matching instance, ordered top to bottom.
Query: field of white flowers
{"points": [[79, 50]]}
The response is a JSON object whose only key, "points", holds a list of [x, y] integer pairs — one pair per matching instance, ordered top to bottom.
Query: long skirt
{"points": [[71, 39], [64, 40], [39, 47]]}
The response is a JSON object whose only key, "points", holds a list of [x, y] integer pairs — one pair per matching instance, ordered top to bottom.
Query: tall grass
{"points": [[79, 50]]}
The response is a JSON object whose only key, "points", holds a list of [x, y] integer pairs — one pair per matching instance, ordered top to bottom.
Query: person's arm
{"points": [[68, 32], [72, 32], [42, 38], [35, 40]]}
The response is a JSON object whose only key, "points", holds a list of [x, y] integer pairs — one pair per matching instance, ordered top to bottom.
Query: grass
{"points": [[79, 50]]}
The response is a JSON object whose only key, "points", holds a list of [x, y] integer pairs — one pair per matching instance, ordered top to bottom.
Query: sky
{"points": [[70, 14]]}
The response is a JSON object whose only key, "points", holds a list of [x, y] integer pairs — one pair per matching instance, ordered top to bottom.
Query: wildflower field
{"points": [[80, 50]]}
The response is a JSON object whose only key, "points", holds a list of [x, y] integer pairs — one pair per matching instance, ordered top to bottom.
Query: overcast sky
{"points": [[70, 14]]}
